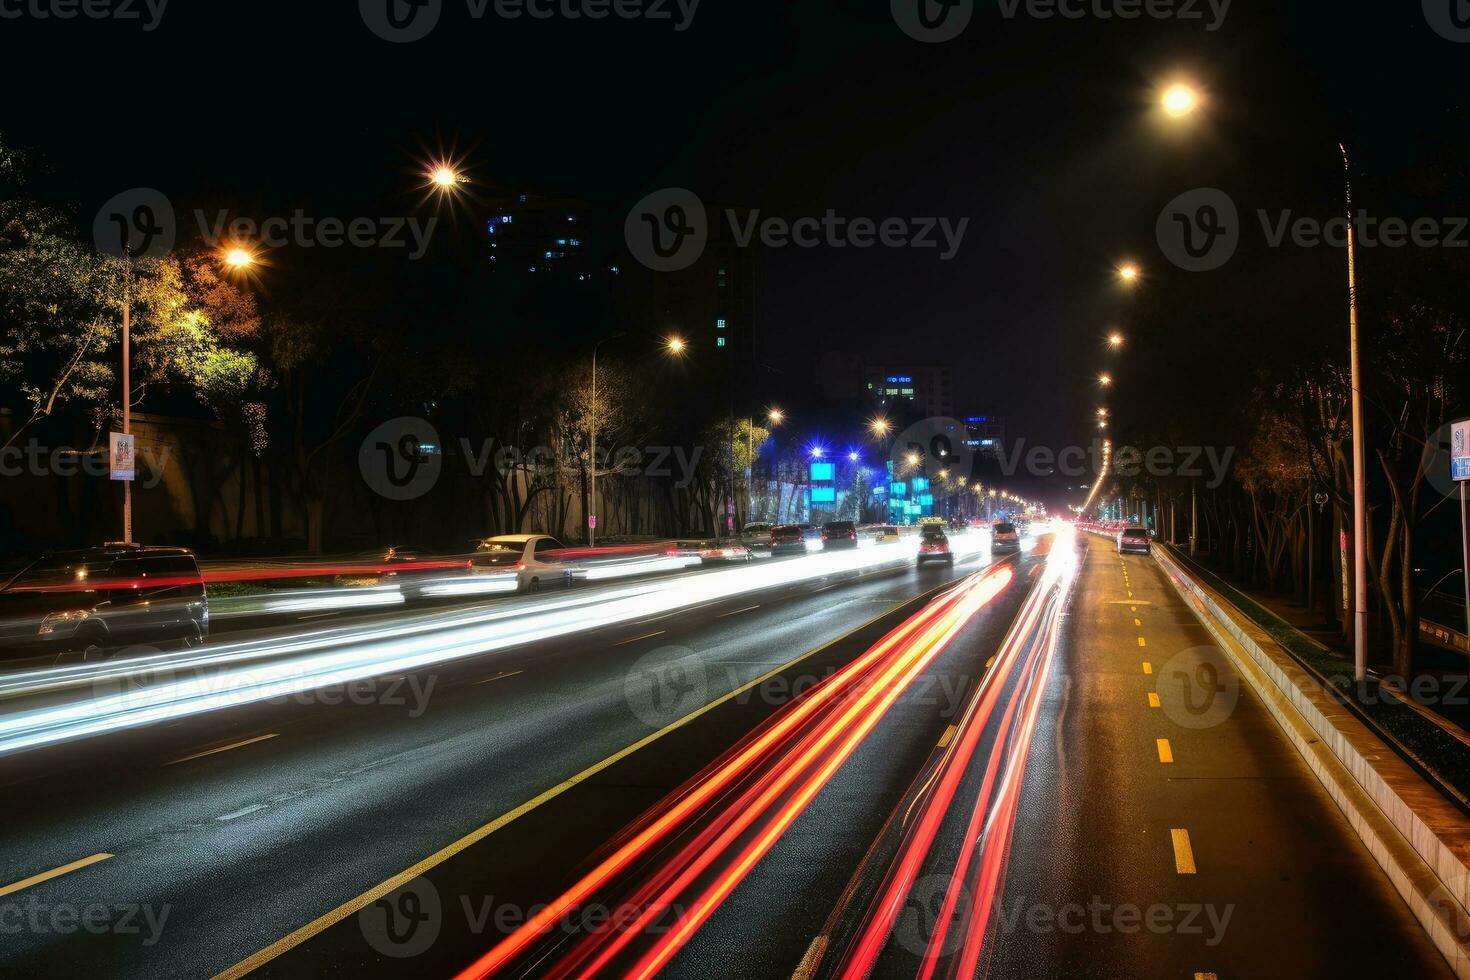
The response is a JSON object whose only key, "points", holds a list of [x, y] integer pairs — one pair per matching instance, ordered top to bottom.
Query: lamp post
{"points": [[674, 345], [127, 385], [1360, 472]]}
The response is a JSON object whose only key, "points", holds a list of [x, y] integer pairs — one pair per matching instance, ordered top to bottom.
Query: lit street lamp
{"points": [[1179, 100], [1128, 273], [1115, 340], [1105, 379]]}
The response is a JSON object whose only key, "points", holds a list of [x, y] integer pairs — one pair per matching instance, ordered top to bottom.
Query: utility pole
{"points": [[127, 385], [1360, 468]]}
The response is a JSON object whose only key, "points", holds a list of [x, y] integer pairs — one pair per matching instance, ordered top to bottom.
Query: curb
{"points": [[1417, 837]]}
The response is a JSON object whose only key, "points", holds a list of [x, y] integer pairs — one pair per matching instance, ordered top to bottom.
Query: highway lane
{"points": [[302, 806], [1168, 828], [486, 890]]}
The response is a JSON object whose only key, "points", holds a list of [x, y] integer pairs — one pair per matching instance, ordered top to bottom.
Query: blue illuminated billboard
{"points": [[823, 472], [824, 495]]}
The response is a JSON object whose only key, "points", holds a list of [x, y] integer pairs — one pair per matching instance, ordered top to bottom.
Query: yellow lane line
{"points": [[737, 612], [1137, 621], [635, 639], [1142, 642], [1148, 668], [498, 677], [1153, 700], [948, 736], [224, 748], [1166, 753], [1183, 852], [53, 873], [352, 906]]}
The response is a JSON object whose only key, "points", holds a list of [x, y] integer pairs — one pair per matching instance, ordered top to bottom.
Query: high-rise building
{"points": [[927, 390], [985, 434]]}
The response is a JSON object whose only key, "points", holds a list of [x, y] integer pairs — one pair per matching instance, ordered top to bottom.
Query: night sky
{"points": [[1039, 131]]}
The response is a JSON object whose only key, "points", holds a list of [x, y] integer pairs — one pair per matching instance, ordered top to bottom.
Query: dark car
{"points": [[839, 534], [1004, 537], [794, 539], [1135, 540], [934, 545], [86, 602]]}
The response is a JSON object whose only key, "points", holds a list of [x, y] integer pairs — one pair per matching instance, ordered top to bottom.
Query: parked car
{"points": [[839, 534], [886, 534], [757, 537], [1004, 537], [795, 539], [1134, 540], [934, 544], [712, 551], [531, 556], [84, 603]]}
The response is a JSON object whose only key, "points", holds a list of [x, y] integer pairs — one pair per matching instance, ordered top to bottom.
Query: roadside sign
{"points": [[1460, 451], [122, 462], [592, 522]]}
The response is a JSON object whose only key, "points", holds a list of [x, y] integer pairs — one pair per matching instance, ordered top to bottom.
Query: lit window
{"points": [[719, 324], [720, 342]]}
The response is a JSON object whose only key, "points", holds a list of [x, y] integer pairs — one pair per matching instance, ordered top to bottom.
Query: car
{"points": [[839, 534], [886, 534], [757, 537], [1004, 537], [795, 539], [1134, 539], [934, 545], [711, 551], [531, 556], [87, 602]]}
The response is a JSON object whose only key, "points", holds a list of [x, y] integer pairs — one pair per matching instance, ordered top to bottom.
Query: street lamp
{"points": [[1179, 100], [238, 258], [1128, 273], [1115, 340], [673, 345], [1105, 379], [775, 416], [880, 426], [817, 452]]}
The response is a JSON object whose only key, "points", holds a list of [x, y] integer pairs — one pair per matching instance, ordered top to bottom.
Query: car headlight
{"points": [[53, 620]]}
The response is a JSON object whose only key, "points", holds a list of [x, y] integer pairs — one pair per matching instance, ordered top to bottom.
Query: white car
{"points": [[531, 556]]}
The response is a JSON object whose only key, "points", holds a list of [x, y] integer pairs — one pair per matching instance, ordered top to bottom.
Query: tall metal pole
{"points": [[127, 389], [592, 461], [1360, 467], [1193, 519], [1465, 556]]}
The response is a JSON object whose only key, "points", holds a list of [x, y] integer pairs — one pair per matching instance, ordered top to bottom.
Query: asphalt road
{"points": [[1166, 827], [226, 833], [1280, 886]]}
